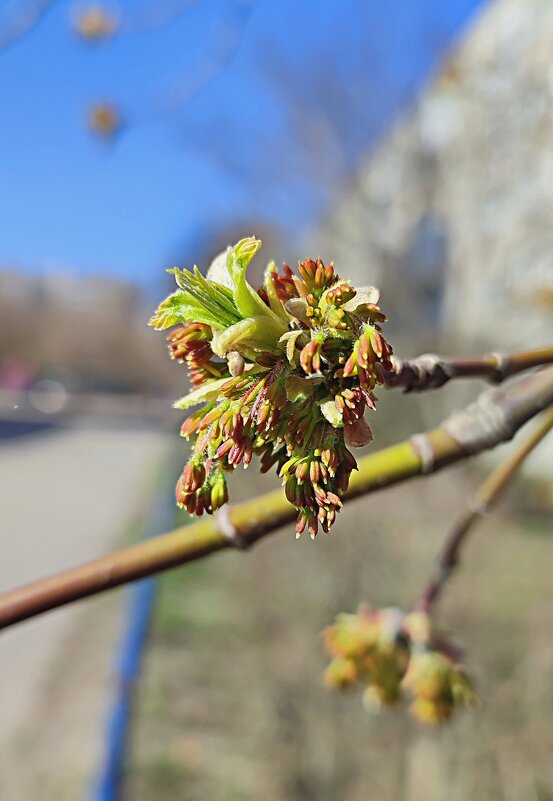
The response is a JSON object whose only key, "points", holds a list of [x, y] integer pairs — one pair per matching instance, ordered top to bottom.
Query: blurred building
{"points": [[451, 214], [90, 332]]}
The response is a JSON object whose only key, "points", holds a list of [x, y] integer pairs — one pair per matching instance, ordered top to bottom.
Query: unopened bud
{"points": [[236, 363]]}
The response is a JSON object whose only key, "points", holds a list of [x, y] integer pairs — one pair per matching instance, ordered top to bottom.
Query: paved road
{"points": [[65, 496]]}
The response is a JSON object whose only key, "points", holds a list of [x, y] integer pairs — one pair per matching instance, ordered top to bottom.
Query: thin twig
{"points": [[156, 16], [215, 60], [431, 371], [503, 411], [480, 503]]}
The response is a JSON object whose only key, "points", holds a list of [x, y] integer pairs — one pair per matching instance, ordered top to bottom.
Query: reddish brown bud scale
{"points": [[262, 292], [190, 426], [224, 448], [248, 452], [193, 476], [180, 494], [333, 499], [199, 507], [301, 523]]}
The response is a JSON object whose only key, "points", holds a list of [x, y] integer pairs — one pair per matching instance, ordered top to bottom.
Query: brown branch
{"points": [[431, 371], [493, 418], [480, 503]]}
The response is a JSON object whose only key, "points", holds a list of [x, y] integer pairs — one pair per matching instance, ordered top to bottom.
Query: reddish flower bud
{"points": [[193, 476]]}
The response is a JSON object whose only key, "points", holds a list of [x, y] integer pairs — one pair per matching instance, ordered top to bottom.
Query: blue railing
{"points": [[141, 597]]}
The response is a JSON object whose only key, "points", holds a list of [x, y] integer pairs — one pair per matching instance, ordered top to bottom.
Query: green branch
{"points": [[493, 418]]}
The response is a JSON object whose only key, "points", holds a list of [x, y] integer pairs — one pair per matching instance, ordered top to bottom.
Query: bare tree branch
{"points": [[156, 16], [97, 22], [217, 58], [431, 371], [480, 503]]}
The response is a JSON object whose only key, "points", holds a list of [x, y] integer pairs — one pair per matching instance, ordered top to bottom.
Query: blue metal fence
{"points": [[141, 597]]}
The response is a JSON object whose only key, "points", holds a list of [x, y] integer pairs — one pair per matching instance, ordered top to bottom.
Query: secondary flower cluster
{"points": [[285, 372], [396, 655]]}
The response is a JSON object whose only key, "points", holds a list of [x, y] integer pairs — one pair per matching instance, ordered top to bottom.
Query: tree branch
{"points": [[156, 16], [215, 60], [431, 371], [493, 418], [480, 503]]}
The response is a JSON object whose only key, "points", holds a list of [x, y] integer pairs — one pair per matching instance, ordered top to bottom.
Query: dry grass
{"points": [[232, 707]]}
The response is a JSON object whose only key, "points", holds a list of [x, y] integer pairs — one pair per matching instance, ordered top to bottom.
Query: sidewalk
{"points": [[65, 497]]}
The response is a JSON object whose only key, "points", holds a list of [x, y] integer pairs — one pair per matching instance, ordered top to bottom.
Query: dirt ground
{"points": [[65, 497], [231, 704]]}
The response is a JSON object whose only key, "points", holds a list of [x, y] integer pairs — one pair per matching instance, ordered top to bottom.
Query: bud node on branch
{"points": [[501, 366], [427, 371], [482, 424], [423, 447], [228, 530]]}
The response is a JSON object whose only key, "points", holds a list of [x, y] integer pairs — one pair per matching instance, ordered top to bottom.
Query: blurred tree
{"points": [[327, 81]]}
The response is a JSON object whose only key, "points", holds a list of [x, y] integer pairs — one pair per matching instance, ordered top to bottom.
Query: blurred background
{"points": [[410, 142]]}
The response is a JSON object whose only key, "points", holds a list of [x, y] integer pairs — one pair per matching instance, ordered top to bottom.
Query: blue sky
{"points": [[306, 88]]}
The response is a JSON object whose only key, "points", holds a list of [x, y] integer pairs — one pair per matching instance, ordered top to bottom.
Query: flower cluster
{"points": [[285, 372], [396, 655]]}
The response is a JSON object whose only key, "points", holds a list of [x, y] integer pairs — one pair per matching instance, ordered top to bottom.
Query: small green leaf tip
{"points": [[244, 251], [247, 300], [182, 307], [285, 372]]}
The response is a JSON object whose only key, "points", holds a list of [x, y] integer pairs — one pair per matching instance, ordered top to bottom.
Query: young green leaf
{"points": [[215, 298], [247, 301], [180, 307], [258, 333], [201, 394]]}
